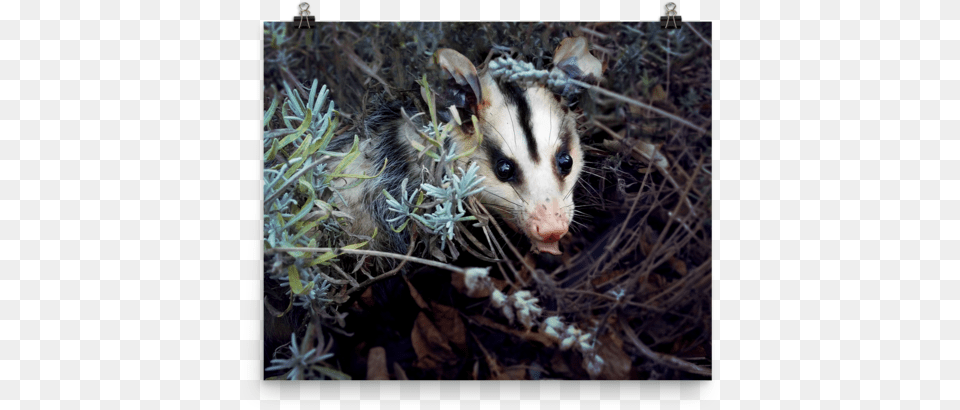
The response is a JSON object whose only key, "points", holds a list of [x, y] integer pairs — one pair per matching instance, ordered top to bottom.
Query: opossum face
{"points": [[531, 155], [531, 158]]}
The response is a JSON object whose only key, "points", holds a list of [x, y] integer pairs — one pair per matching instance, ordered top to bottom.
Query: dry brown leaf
{"points": [[658, 93], [646, 245], [678, 266], [655, 282], [415, 295], [367, 297], [447, 320], [525, 335], [430, 345], [616, 362], [377, 364], [560, 365], [513, 373]]}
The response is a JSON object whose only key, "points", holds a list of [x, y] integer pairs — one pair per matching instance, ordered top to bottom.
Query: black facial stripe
{"points": [[515, 95], [566, 133], [495, 155]]}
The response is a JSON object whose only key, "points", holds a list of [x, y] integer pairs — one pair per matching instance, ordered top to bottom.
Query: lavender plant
{"points": [[295, 181], [449, 191], [299, 363]]}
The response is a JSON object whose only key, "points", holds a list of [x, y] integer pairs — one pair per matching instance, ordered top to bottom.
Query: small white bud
{"points": [[476, 280], [523, 294], [498, 298], [535, 310], [508, 312], [525, 318], [553, 322], [551, 332], [567, 343], [593, 365]]}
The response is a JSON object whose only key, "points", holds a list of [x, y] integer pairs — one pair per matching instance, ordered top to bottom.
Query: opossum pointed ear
{"points": [[573, 58], [466, 91]]}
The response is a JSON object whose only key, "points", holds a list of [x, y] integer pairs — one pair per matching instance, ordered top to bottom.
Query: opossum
{"points": [[530, 156]]}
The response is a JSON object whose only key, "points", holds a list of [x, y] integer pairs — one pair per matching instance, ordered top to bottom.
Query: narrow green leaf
{"points": [[313, 93], [294, 98], [271, 110], [283, 113], [298, 132], [272, 153], [351, 155], [362, 176], [307, 206], [402, 227], [303, 231], [359, 245], [322, 259], [294, 276], [306, 289]]}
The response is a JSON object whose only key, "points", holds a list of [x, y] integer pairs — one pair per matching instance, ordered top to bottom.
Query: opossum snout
{"points": [[546, 225], [551, 233]]}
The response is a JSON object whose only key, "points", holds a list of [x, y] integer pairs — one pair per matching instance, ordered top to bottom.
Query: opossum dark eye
{"points": [[564, 162], [505, 170]]}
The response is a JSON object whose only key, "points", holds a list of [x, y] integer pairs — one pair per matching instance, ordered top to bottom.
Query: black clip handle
{"points": [[304, 17], [671, 19]]}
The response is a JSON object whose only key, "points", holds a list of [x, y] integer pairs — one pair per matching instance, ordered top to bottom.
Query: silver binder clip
{"points": [[304, 16], [670, 17]]}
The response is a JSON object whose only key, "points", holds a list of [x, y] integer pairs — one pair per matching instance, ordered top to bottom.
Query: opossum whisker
{"points": [[512, 125], [557, 137], [502, 139], [591, 168], [592, 173], [589, 187], [518, 193], [503, 198], [486, 203], [589, 204], [504, 210], [577, 211], [582, 214], [577, 224]]}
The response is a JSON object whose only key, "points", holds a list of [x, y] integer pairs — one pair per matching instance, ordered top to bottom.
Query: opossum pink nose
{"points": [[547, 222], [551, 232]]}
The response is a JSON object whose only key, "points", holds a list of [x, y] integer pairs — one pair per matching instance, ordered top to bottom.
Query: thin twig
{"points": [[690, 26], [356, 60], [637, 103], [633, 147], [290, 181], [414, 259], [396, 270], [664, 359]]}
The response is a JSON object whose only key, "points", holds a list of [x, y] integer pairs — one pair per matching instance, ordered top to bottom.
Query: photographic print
{"points": [[477, 201]]}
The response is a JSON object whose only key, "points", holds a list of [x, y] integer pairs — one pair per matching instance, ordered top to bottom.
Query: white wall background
{"points": [[129, 216]]}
